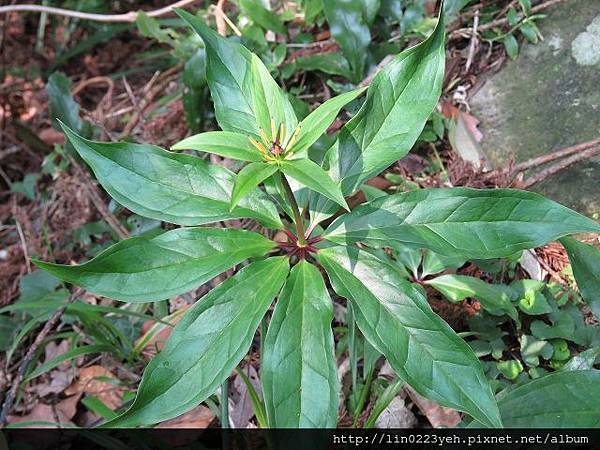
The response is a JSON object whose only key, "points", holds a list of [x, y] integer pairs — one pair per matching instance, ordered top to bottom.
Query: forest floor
{"points": [[129, 86]]}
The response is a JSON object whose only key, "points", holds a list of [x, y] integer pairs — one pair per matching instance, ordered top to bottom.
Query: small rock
{"points": [[396, 415]]}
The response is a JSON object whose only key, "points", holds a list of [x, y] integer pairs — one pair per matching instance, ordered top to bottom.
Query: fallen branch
{"points": [[125, 17], [577, 150], [561, 165], [16, 383]]}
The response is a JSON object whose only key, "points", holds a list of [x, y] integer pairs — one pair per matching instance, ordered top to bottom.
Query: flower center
{"points": [[275, 147]]}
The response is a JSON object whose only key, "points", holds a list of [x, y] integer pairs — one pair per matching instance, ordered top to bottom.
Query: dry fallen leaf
{"points": [[465, 137], [88, 383], [242, 411], [42, 413], [437, 415], [199, 417]]}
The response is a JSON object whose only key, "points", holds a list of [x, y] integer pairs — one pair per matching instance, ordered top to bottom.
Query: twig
{"points": [[219, 14], [126, 17], [496, 23], [221, 24], [473, 42], [384, 62], [150, 93], [540, 160], [561, 165], [96, 199], [23, 245], [553, 273], [16, 383]]}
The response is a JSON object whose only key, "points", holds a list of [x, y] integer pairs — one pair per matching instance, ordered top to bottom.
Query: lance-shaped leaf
{"points": [[262, 16], [350, 28], [232, 83], [399, 101], [271, 106], [317, 122], [223, 143], [311, 175], [248, 178], [176, 188], [490, 223], [585, 262], [141, 269], [458, 287], [396, 319], [206, 345], [298, 370], [566, 399]]}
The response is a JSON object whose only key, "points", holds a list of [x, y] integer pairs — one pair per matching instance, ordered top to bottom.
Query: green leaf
{"points": [[312, 9], [262, 16], [349, 26], [150, 28], [511, 45], [330, 63], [231, 83], [195, 95], [399, 102], [271, 105], [62, 106], [317, 122], [223, 143], [313, 177], [248, 178], [176, 188], [471, 223], [585, 262], [434, 263], [141, 269], [492, 297], [534, 303], [396, 319], [8, 329], [206, 345], [532, 349], [67, 356], [583, 361], [510, 369], [298, 370], [566, 399], [383, 402], [258, 406], [98, 407]]}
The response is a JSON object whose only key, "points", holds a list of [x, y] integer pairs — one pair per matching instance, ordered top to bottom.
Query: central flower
{"points": [[275, 147]]}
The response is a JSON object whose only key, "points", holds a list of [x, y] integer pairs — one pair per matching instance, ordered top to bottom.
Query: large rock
{"points": [[547, 99]]}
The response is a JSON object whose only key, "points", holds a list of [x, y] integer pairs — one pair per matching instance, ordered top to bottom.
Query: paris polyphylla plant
{"points": [[259, 126]]}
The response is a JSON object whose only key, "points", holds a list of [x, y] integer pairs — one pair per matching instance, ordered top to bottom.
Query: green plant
{"points": [[298, 369]]}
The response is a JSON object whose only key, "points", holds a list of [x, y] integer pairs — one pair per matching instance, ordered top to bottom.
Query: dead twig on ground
{"points": [[125, 17], [221, 18], [462, 32], [473, 42], [155, 86], [578, 152], [561, 165], [95, 197], [16, 383]]}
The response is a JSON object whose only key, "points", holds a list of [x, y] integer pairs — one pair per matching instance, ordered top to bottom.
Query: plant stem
{"points": [[298, 222], [352, 346], [225, 404]]}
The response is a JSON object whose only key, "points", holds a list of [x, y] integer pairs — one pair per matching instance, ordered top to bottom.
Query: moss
{"points": [[545, 101]]}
